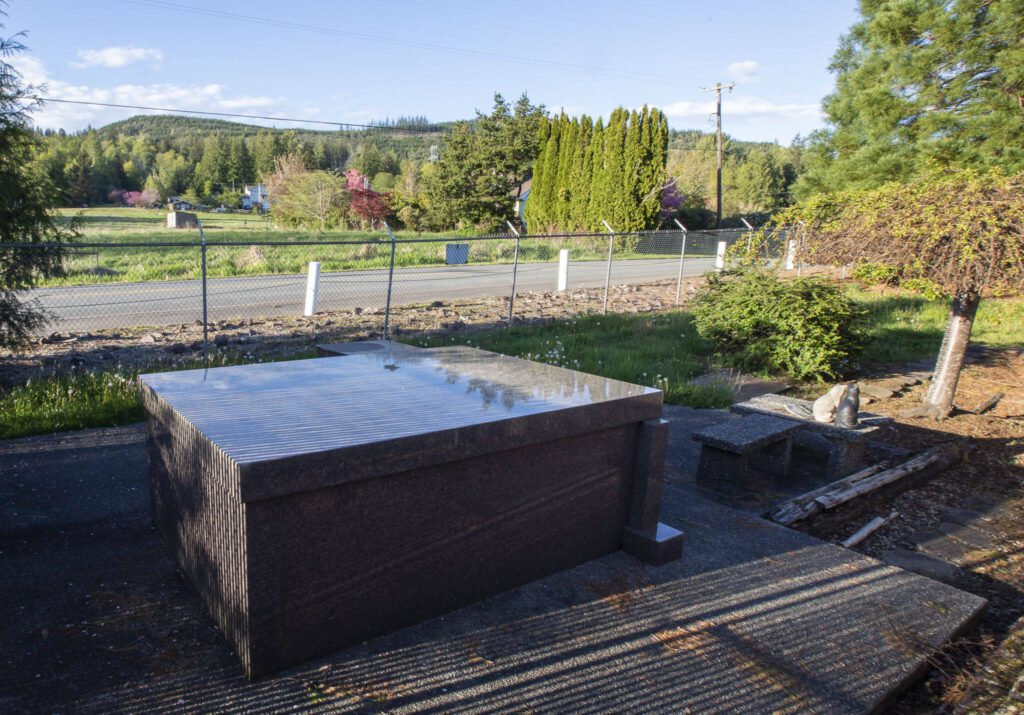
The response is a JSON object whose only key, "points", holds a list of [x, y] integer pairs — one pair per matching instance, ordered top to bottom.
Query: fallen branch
{"points": [[988, 404], [941, 455], [862, 482], [804, 505], [868, 529]]}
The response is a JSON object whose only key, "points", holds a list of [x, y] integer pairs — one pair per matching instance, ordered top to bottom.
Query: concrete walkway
{"points": [[755, 618]]}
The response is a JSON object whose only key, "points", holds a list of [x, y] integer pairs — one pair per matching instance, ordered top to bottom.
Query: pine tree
{"points": [[928, 83], [240, 168], [212, 169], [27, 213]]}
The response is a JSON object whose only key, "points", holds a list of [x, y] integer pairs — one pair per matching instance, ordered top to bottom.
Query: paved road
{"points": [[122, 305]]}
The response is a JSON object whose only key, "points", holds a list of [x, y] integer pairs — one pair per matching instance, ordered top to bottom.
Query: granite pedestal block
{"points": [[845, 444], [728, 448], [314, 504]]}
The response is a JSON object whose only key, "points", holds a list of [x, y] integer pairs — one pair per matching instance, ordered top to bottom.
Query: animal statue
{"points": [[849, 406], [825, 407]]}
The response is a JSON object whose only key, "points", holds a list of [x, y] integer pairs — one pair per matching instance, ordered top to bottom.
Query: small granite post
{"points": [[645, 537]]}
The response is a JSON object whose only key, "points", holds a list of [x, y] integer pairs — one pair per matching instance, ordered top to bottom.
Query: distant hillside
{"points": [[160, 127]]}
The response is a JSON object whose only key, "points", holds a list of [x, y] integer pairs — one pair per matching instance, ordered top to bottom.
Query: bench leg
{"points": [[775, 458], [845, 458], [724, 472]]}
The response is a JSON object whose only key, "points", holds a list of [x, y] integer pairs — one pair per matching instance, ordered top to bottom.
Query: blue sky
{"points": [[359, 61]]}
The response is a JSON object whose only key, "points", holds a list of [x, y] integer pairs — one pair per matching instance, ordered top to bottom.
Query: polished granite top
{"points": [[275, 410]]}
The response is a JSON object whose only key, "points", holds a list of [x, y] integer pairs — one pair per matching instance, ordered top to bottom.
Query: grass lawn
{"points": [[156, 263], [906, 327], [658, 349], [86, 399]]}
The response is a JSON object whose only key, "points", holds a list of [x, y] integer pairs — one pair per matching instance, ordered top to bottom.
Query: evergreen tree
{"points": [[928, 83], [569, 133], [240, 167], [210, 173], [579, 178], [597, 178], [758, 183], [545, 192], [27, 199], [533, 212]]}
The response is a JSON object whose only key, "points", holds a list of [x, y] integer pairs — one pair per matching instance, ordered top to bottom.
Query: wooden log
{"points": [[941, 456], [803, 506], [867, 530]]}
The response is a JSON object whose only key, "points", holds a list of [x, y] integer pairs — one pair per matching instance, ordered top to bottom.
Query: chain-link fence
{"points": [[110, 286]]}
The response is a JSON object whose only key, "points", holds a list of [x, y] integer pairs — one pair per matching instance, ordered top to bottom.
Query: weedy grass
{"points": [[904, 327], [659, 350], [84, 399]]}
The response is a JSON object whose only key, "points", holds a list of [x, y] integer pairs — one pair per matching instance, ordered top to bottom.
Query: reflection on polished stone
{"points": [[274, 410]]}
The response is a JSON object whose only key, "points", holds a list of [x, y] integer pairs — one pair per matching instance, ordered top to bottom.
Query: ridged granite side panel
{"points": [[197, 511], [420, 544]]}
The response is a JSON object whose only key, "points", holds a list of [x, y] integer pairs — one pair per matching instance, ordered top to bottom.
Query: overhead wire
{"points": [[464, 51], [342, 126]]}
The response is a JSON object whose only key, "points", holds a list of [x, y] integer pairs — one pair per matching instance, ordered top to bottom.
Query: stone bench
{"points": [[846, 444], [726, 449]]}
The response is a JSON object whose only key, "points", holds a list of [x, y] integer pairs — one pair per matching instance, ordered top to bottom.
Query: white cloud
{"points": [[118, 57], [745, 71], [201, 97], [246, 103], [745, 109], [747, 117]]}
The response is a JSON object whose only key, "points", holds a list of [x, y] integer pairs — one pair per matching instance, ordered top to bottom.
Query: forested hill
{"points": [[163, 127], [173, 154]]}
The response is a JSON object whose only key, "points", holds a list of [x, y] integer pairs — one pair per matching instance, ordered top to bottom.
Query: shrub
{"points": [[876, 273], [805, 328]]}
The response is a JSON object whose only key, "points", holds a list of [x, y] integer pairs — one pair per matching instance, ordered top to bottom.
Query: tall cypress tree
{"points": [[570, 130], [597, 177], [614, 179], [579, 180], [546, 192], [533, 212]]}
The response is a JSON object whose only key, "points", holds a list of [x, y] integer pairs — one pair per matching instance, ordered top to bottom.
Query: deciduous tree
{"points": [[961, 230]]}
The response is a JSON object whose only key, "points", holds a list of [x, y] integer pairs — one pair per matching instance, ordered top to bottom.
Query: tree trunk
{"points": [[951, 355]]}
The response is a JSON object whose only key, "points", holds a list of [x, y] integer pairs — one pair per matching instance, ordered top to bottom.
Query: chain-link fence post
{"points": [[202, 253], [682, 258], [515, 270], [608, 272], [391, 280]]}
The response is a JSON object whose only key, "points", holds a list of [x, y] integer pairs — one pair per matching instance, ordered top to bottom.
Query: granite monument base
{"points": [[299, 551]]}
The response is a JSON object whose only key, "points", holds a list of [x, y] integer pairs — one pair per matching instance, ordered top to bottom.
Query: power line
{"points": [[286, 24], [342, 126]]}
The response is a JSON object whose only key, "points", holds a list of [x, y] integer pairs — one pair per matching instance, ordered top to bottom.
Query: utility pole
{"points": [[717, 89]]}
